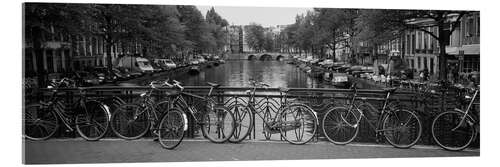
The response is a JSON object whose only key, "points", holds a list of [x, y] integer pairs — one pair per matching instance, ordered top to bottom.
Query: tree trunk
{"points": [[442, 52], [108, 55]]}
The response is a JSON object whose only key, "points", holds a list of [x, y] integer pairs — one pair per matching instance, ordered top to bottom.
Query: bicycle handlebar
{"points": [[59, 83], [255, 83]]}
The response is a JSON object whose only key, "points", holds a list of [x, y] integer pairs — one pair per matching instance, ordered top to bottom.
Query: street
{"points": [[65, 151]]}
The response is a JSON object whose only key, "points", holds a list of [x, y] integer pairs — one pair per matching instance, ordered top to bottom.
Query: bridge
{"points": [[268, 56], [320, 100], [257, 146]]}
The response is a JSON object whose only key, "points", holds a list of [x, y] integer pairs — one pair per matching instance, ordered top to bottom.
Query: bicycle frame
{"points": [[251, 105], [149, 106], [60, 109], [192, 111], [384, 112], [466, 112]]}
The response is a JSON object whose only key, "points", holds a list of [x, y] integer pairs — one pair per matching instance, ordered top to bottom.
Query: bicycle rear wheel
{"points": [[130, 121], [40, 122], [244, 122], [93, 123], [218, 124], [297, 124], [339, 125], [171, 128], [402, 128], [444, 134]]}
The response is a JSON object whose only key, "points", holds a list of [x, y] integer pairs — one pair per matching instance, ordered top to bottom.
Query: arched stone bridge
{"points": [[268, 56]]}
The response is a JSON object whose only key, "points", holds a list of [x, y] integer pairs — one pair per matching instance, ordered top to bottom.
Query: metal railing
{"points": [[427, 106]]}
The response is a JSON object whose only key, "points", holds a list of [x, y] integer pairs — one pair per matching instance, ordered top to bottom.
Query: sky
{"points": [[266, 16]]}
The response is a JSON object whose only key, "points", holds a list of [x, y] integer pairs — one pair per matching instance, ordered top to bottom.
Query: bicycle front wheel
{"points": [[130, 121], [40, 122], [244, 122], [93, 123], [218, 124], [297, 124], [340, 125], [171, 128], [402, 128], [448, 134]]}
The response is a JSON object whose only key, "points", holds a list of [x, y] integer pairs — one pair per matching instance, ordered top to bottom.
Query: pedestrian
{"points": [[426, 74], [421, 75]]}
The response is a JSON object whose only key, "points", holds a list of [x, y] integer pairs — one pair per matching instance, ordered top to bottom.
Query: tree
{"points": [[43, 18], [118, 23], [381, 25], [216, 26], [197, 29], [254, 34], [268, 41]]}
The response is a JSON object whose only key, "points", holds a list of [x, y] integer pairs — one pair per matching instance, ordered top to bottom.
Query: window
{"points": [[470, 27], [478, 29], [419, 37], [425, 41], [408, 44], [413, 44], [94, 46], [67, 59], [50, 60], [59, 60], [419, 61], [412, 63], [425, 63], [471, 63], [432, 66]]}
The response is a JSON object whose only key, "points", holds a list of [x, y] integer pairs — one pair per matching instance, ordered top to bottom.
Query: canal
{"points": [[238, 72]]}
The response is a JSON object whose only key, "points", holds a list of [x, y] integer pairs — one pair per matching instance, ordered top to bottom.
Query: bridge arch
{"points": [[251, 57], [266, 57], [280, 57]]}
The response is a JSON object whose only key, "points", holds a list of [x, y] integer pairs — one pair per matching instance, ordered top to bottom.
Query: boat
{"points": [[194, 70]]}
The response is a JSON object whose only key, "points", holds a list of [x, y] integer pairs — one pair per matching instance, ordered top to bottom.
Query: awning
{"points": [[473, 49]]}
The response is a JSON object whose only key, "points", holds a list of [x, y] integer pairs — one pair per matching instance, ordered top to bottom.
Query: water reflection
{"points": [[238, 73]]}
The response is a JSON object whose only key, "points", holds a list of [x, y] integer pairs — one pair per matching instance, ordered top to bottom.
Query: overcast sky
{"points": [[266, 16]]}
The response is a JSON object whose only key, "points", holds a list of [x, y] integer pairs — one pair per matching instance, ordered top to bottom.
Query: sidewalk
{"points": [[145, 150]]}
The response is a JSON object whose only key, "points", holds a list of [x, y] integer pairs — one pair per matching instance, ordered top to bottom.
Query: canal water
{"points": [[236, 73]]}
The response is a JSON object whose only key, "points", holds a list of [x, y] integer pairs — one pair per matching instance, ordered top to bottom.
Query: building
{"points": [[464, 44], [420, 51], [64, 52]]}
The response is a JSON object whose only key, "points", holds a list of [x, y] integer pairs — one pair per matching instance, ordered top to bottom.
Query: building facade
{"points": [[465, 44], [64, 52]]}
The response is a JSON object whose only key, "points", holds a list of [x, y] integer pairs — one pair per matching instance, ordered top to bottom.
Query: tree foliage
{"points": [[254, 35]]}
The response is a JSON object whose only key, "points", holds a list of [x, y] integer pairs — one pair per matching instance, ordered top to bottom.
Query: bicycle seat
{"points": [[213, 84], [283, 89], [390, 89]]}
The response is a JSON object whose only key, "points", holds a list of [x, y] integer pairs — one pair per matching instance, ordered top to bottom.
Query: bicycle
{"points": [[89, 117], [294, 117], [133, 120], [217, 123], [341, 124], [455, 130]]}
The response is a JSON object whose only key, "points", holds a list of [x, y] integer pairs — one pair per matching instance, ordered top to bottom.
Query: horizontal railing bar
{"points": [[322, 90]]}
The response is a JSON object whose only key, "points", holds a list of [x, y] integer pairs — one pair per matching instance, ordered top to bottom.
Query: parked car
{"points": [[194, 62], [326, 62], [136, 64], [165, 64], [170, 64], [127, 71], [104, 74], [120, 75]]}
